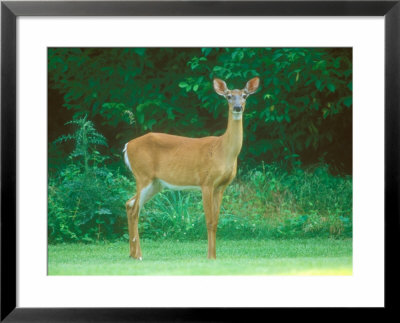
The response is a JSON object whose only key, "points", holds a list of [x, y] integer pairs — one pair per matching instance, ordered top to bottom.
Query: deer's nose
{"points": [[237, 108]]}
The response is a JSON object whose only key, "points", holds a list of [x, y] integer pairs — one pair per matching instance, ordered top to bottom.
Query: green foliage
{"points": [[301, 114], [85, 139], [84, 198], [86, 206], [173, 215]]}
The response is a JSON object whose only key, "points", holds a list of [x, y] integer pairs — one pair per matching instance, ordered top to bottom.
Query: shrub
{"points": [[84, 198], [87, 206]]}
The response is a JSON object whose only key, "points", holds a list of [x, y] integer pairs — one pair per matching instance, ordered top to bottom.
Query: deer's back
{"points": [[158, 155]]}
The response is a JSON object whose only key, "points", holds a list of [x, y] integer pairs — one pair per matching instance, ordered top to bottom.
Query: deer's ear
{"points": [[252, 85], [220, 86]]}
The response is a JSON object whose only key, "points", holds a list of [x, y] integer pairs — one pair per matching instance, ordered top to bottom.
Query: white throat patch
{"points": [[237, 115]]}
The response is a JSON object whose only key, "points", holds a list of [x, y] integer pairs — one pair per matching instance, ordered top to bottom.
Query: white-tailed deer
{"points": [[159, 161]]}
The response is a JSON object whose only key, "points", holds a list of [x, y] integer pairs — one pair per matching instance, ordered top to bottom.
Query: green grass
{"points": [[241, 257]]}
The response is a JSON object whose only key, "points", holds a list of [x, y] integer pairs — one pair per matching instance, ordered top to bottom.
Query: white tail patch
{"points": [[125, 151]]}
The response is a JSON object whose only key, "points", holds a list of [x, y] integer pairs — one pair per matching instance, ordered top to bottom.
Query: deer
{"points": [[208, 164]]}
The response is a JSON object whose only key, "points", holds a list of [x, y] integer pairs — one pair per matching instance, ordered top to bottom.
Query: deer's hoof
{"points": [[136, 258]]}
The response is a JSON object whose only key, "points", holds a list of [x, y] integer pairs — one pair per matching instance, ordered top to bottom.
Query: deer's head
{"points": [[236, 98]]}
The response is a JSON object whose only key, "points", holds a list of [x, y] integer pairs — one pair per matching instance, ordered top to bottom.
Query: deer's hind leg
{"points": [[145, 191], [132, 212]]}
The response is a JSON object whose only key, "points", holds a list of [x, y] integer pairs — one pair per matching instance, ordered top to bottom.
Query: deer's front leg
{"points": [[218, 194], [132, 212], [211, 220]]}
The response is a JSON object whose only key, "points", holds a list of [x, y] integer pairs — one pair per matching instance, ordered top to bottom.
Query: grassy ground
{"points": [[243, 257]]}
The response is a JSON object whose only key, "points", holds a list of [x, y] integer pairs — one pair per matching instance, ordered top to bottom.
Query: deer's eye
{"points": [[244, 95], [229, 96]]}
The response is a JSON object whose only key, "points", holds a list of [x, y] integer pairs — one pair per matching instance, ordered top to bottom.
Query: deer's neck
{"points": [[232, 139]]}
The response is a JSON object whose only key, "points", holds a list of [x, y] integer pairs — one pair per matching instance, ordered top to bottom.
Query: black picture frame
{"points": [[10, 10]]}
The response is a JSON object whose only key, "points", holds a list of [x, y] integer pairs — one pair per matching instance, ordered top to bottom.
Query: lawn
{"points": [[242, 257]]}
